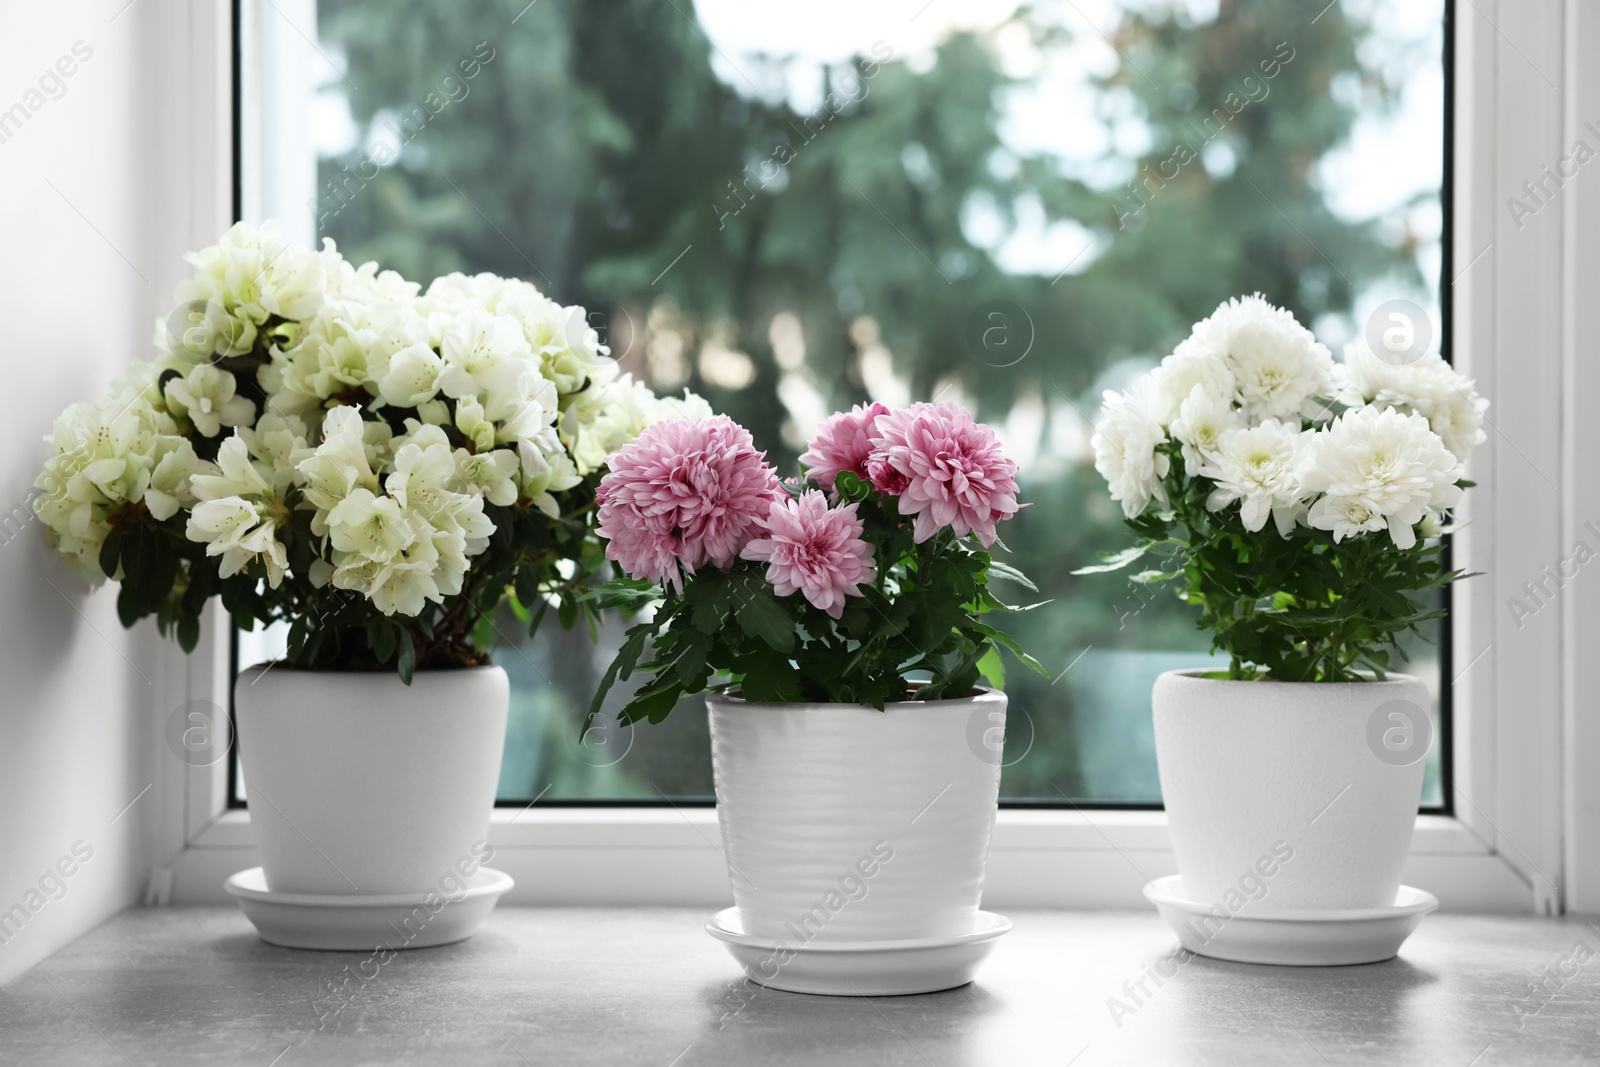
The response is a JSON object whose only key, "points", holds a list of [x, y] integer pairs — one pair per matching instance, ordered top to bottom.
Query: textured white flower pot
{"points": [[1250, 767], [359, 784], [844, 823]]}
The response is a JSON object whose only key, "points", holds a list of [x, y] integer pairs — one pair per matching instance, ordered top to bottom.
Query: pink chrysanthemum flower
{"points": [[843, 443], [951, 470], [684, 492], [815, 549]]}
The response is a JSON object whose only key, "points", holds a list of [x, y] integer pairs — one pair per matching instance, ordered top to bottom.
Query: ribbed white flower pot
{"points": [[1325, 773], [360, 784], [844, 823]]}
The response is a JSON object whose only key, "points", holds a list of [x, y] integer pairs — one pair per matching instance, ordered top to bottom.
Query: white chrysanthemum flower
{"points": [[1278, 367], [1187, 369], [1428, 386], [207, 399], [1203, 420], [1125, 441], [1260, 468], [1379, 469]]}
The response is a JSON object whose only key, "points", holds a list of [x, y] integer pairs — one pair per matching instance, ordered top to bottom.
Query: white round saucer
{"points": [[366, 923], [1294, 939], [862, 968]]}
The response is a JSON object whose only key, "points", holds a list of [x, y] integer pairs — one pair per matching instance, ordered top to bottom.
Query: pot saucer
{"points": [[365, 923], [1332, 938], [861, 968]]}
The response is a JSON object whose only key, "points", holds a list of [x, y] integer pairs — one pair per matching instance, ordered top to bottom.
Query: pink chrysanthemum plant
{"points": [[865, 581]]}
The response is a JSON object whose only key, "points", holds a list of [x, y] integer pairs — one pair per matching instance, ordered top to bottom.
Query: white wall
{"points": [[102, 188]]}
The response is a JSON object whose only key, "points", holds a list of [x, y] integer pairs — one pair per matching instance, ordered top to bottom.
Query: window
{"points": [[792, 207]]}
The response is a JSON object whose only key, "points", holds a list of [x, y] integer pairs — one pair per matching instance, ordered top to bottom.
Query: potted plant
{"points": [[378, 467], [1299, 504], [841, 621]]}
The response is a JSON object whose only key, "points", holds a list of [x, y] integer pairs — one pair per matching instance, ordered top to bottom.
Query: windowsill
{"points": [[1054, 829], [1038, 858], [647, 985]]}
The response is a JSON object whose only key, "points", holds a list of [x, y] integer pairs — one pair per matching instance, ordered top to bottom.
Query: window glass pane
{"points": [[791, 207]]}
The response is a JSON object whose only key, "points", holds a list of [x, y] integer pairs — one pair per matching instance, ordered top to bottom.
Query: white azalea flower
{"points": [[248, 277], [365, 283], [347, 348], [484, 355], [1278, 367], [412, 377], [506, 386], [1427, 386], [206, 398], [602, 419], [1203, 420], [473, 426], [1125, 441], [279, 443], [104, 461], [337, 467], [1260, 467], [1379, 469], [236, 474], [493, 475], [542, 475], [423, 477], [171, 485], [239, 513], [370, 526], [239, 531], [403, 585]]}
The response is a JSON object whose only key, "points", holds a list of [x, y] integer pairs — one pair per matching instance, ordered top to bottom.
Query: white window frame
{"points": [[1526, 833]]}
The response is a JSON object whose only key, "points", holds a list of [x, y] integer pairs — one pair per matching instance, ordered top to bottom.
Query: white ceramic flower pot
{"points": [[1321, 781], [359, 784], [844, 823]]}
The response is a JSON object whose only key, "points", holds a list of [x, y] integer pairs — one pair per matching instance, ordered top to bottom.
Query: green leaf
{"points": [[110, 552], [1115, 561], [1011, 574], [128, 606], [762, 617], [188, 632], [382, 636], [1009, 643], [408, 657], [621, 664], [992, 667]]}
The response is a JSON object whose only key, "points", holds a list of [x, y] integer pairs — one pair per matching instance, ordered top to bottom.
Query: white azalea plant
{"points": [[331, 446], [1298, 499]]}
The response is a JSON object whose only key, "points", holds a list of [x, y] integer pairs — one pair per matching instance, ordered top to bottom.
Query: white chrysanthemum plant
{"points": [[330, 446], [1298, 499]]}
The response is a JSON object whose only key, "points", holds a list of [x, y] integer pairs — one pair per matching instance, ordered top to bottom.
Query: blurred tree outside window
{"points": [[793, 207]]}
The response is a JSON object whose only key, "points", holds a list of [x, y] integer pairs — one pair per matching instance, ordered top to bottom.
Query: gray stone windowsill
{"points": [[647, 986]]}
